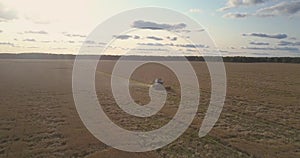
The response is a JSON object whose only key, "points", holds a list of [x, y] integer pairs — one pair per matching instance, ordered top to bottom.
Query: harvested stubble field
{"points": [[260, 118]]}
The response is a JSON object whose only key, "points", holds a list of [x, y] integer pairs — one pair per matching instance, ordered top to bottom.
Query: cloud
{"points": [[237, 3], [284, 8], [195, 10], [7, 14], [236, 15], [140, 24], [200, 30], [1, 31], [182, 31], [37, 32], [73, 35], [263, 35], [125, 37], [136, 37], [155, 38], [172, 38], [29, 40], [46, 41], [90, 42], [102, 43], [260, 43], [287, 43], [7, 44], [150, 44], [175, 45], [191, 46], [290, 49], [150, 50], [191, 50], [264, 54]]}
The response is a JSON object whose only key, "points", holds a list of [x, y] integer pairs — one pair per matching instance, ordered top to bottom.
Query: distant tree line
{"points": [[240, 59]]}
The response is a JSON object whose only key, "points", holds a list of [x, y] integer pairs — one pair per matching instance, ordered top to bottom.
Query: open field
{"points": [[260, 118]]}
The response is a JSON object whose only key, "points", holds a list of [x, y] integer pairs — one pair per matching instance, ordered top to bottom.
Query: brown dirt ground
{"points": [[260, 118]]}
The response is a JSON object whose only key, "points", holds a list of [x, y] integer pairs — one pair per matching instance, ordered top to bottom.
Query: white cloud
{"points": [[237, 3], [284, 8], [7, 14], [236, 15], [140, 24], [36, 32], [73, 35], [264, 35], [125, 37], [155, 38], [172, 38], [29, 40], [260, 43], [287, 43], [7, 44], [150, 44], [192, 45], [289, 49]]}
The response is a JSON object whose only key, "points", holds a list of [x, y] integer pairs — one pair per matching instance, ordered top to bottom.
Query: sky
{"points": [[237, 27]]}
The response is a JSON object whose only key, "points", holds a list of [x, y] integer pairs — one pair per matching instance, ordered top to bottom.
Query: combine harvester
{"points": [[158, 84]]}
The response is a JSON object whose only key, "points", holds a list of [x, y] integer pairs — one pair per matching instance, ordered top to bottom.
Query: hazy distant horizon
{"points": [[75, 54]]}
